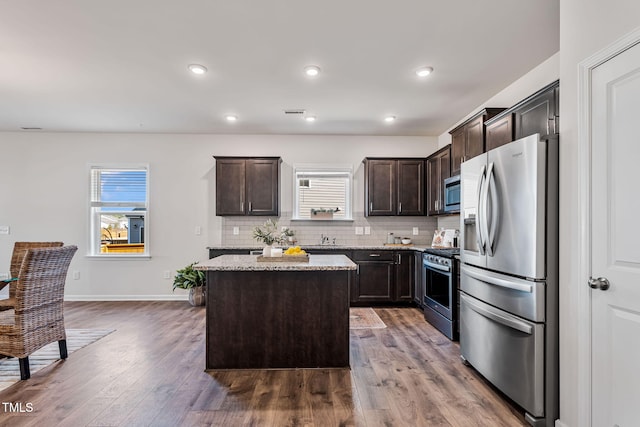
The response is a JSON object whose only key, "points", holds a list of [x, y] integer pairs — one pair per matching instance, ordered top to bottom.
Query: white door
{"points": [[615, 239]]}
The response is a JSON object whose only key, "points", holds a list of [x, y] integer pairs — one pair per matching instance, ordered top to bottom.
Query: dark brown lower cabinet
{"points": [[405, 276], [383, 277]]}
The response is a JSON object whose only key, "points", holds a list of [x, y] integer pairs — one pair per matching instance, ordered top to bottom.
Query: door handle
{"points": [[493, 193], [400, 207], [250, 210], [479, 217], [600, 283], [499, 317]]}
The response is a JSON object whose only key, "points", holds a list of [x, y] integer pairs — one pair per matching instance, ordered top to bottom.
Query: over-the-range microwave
{"points": [[452, 194]]}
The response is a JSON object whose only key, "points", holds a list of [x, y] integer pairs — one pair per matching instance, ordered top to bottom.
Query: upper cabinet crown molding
{"points": [[537, 113], [247, 186], [394, 186]]}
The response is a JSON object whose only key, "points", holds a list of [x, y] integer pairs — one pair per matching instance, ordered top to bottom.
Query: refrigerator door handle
{"points": [[482, 210], [495, 214], [479, 239], [509, 284], [499, 317]]}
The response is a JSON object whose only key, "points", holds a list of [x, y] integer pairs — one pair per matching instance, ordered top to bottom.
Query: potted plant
{"points": [[268, 234], [193, 280]]}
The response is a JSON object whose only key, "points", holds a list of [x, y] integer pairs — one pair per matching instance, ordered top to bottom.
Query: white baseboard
{"points": [[126, 297], [560, 424]]}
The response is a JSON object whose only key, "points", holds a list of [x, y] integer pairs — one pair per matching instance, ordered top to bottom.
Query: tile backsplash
{"points": [[344, 232]]}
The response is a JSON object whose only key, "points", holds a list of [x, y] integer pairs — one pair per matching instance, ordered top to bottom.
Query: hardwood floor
{"points": [[150, 371]]}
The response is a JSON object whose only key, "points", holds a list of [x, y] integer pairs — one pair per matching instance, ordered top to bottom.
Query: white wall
{"points": [[586, 26], [44, 192]]}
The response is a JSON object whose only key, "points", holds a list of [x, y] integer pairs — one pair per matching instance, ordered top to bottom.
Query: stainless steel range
{"points": [[440, 305]]}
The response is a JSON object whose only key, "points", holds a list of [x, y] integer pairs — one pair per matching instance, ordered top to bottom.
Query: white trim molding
{"points": [[585, 69], [180, 297]]}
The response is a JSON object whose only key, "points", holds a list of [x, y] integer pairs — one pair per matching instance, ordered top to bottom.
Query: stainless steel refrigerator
{"points": [[509, 272]]}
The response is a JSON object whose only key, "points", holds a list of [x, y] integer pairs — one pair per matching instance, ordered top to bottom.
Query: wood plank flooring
{"points": [[150, 372]]}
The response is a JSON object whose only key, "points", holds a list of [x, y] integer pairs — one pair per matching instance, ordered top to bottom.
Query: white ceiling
{"points": [[121, 65]]}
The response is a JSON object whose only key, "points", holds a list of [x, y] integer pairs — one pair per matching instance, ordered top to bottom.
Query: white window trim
{"points": [[327, 168], [93, 246]]}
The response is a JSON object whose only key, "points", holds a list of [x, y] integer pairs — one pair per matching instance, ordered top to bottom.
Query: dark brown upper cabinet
{"points": [[538, 113], [500, 131], [468, 139], [438, 168], [247, 186], [394, 186]]}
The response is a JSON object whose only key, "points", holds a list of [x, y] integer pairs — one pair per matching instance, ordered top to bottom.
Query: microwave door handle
{"points": [[493, 193], [478, 212]]}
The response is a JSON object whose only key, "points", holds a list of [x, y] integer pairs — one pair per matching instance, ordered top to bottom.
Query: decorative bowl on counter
{"points": [[406, 241]]}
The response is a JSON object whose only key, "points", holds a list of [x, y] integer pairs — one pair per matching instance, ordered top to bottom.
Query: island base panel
{"points": [[277, 319]]}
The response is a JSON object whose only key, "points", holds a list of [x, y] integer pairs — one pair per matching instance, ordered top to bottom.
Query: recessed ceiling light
{"points": [[197, 69], [312, 70], [424, 71], [231, 118], [310, 118], [390, 119]]}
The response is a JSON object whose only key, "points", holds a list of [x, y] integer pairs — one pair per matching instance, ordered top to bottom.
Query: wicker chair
{"points": [[19, 250], [38, 317]]}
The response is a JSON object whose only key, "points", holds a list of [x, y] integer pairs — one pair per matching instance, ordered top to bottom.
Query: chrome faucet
{"points": [[324, 240]]}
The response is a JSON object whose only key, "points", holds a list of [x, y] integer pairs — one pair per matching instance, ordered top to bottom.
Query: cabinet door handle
{"points": [[242, 206], [249, 206], [370, 206], [400, 207], [374, 255], [399, 259]]}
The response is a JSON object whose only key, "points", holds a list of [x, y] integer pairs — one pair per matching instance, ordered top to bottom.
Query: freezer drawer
{"points": [[524, 298], [505, 349]]}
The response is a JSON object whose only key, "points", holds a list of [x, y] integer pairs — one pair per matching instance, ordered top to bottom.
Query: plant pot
{"points": [[266, 251], [196, 296]]}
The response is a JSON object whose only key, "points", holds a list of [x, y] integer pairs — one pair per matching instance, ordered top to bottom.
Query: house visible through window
{"points": [[322, 193], [119, 207]]}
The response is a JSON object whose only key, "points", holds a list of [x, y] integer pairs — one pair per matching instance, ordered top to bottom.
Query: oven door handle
{"points": [[436, 266], [502, 318]]}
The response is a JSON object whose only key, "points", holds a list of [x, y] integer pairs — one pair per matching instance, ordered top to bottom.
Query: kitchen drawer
{"points": [[373, 256], [523, 298], [505, 349]]}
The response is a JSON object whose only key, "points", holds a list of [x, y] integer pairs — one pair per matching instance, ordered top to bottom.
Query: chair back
{"points": [[20, 248], [40, 286]]}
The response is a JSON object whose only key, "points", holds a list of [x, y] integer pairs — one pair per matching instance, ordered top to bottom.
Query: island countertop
{"points": [[250, 263]]}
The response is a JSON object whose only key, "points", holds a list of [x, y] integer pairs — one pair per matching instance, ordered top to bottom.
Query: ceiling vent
{"points": [[294, 111]]}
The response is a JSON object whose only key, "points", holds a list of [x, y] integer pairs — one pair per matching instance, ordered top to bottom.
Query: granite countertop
{"points": [[418, 248], [250, 263]]}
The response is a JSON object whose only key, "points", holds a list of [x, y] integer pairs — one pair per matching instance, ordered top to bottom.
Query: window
{"points": [[322, 192], [119, 208]]}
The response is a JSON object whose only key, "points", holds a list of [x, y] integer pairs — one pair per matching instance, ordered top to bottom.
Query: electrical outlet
{"points": [[4, 229], [198, 230], [367, 230], [236, 231], [359, 231], [416, 231], [166, 274], [76, 275], [4, 276]]}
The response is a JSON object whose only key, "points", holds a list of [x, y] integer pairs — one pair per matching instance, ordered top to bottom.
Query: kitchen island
{"points": [[271, 315]]}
